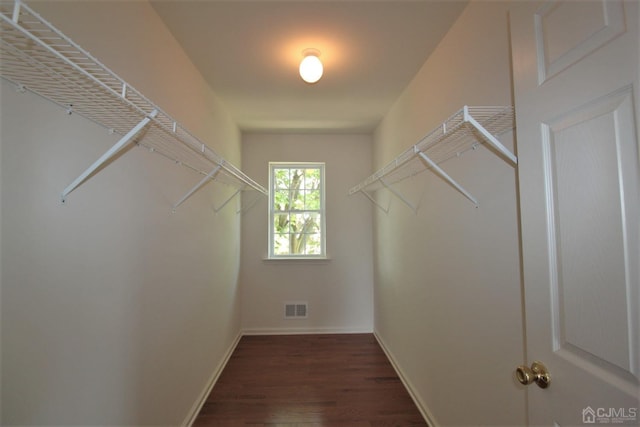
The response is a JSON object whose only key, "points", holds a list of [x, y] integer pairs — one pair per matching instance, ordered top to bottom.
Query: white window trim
{"points": [[323, 210]]}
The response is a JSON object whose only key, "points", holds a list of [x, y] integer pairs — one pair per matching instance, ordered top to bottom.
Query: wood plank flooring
{"points": [[309, 380]]}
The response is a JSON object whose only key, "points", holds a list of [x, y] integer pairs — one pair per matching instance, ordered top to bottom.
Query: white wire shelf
{"points": [[37, 57], [465, 130]]}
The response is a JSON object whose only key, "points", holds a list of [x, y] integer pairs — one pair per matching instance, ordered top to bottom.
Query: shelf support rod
{"points": [[16, 12], [489, 137], [108, 155], [446, 177], [204, 180], [398, 195], [375, 202], [218, 209]]}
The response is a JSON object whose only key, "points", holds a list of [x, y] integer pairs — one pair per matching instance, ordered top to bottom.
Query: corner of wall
{"points": [[413, 392], [202, 397]]}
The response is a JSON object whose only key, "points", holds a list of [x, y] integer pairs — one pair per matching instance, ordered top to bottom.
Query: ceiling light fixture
{"points": [[310, 66]]}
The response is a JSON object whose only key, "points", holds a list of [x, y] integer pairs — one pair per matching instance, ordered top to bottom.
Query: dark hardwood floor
{"points": [[309, 380]]}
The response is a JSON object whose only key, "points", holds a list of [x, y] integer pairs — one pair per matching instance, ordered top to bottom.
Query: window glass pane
{"points": [[281, 178], [297, 179], [312, 179], [281, 200], [297, 200], [312, 200], [296, 210], [281, 223], [297, 223], [312, 223], [302, 227], [281, 244], [313, 244], [297, 245]]}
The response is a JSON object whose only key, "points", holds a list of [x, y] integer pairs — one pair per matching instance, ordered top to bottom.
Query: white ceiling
{"points": [[249, 53]]}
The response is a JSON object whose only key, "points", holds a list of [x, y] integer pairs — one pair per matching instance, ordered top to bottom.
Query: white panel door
{"points": [[576, 94]]}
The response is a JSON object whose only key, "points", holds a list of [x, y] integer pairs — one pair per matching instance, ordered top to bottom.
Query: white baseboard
{"points": [[304, 331], [202, 398], [426, 414]]}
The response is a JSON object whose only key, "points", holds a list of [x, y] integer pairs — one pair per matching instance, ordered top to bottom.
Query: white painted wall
{"points": [[447, 280], [339, 291], [114, 311], [1, 318]]}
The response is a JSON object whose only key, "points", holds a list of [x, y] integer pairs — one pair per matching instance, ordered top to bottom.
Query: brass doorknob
{"points": [[536, 373]]}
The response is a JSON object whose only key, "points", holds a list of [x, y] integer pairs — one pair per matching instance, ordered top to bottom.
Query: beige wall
{"points": [[1, 273], [447, 280], [339, 291], [114, 310]]}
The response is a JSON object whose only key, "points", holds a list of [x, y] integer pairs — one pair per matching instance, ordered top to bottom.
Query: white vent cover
{"points": [[295, 310]]}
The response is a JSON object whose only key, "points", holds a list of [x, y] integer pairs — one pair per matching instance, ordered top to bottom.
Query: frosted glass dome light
{"points": [[311, 66]]}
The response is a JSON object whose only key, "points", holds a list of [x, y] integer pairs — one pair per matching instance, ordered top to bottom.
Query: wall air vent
{"points": [[295, 310]]}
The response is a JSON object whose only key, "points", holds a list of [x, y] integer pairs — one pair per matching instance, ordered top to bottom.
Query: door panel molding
{"points": [[594, 25], [576, 92], [591, 247]]}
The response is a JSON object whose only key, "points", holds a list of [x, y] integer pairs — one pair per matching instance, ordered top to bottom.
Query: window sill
{"points": [[298, 260]]}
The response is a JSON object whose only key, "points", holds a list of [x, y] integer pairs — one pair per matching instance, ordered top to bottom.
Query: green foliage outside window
{"points": [[297, 211]]}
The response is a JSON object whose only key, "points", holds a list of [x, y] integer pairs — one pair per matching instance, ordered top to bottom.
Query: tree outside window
{"points": [[297, 210]]}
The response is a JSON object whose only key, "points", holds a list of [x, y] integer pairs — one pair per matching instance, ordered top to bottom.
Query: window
{"points": [[296, 210]]}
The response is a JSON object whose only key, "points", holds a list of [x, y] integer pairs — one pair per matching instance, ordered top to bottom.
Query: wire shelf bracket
{"points": [[37, 57], [464, 130], [124, 141], [438, 170], [211, 175], [399, 195], [226, 202], [375, 202], [248, 205]]}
